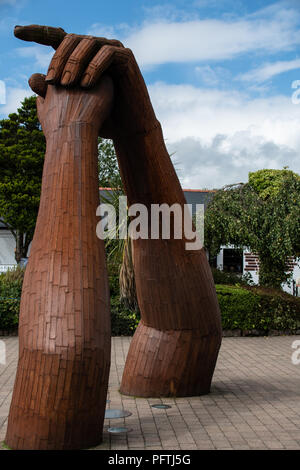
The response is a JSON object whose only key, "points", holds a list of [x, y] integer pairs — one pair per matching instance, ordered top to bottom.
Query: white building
{"points": [[7, 249], [232, 260]]}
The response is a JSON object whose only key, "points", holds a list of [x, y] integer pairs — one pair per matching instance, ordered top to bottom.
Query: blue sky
{"points": [[219, 73]]}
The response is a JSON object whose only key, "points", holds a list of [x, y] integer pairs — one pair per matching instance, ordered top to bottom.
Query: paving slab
{"points": [[254, 401]]}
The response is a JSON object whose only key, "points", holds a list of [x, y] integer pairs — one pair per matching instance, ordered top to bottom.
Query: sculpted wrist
{"points": [[71, 131]]}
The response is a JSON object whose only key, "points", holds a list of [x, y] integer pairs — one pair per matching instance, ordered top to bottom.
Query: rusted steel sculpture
{"points": [[175, 348], [60, 390]]}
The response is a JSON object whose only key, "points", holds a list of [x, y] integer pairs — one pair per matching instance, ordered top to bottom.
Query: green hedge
{"points": [[229, 278], [10, 294], [238, 306], [242, 307], [258, 308], [123, 320]]}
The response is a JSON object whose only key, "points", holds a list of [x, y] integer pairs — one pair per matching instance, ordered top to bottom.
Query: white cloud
{"points": [[214, 3], [16, 4], [171, 12], [101, 30], [109, 31], [163, 41], [41, 54], [269, 70], [212, 76], [2, 92], [14, 96], [219, 136], [228, 159]]}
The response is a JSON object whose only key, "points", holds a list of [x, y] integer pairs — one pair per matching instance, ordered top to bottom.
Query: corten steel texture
{"points": [[175, 347], [60, 390]]}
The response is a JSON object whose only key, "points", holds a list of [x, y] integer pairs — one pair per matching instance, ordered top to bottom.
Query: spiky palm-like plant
{"points": [[119, 253]]}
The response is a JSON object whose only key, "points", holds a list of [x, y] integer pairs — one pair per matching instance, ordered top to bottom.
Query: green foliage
{"points": [[22, 148], [109, 175], [267, 183], [268, 226], [114, 245], [119, 251], [230, 278], [10, 294], [238, 306], [244, 308], [258, 308], [123, 320]]}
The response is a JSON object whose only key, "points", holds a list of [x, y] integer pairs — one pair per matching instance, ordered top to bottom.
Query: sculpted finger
{"points": [[41, 34], [108, 42], [60, 58], [78, 60], [102, 60], [97, 66], [38, 84]]}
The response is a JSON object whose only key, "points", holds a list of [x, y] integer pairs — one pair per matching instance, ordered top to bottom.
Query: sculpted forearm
{"points": [[148, 174], [64, 331]]}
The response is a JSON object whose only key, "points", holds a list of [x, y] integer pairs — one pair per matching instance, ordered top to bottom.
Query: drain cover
{"points": [[161, 406], [113, 414], [120, 430]]}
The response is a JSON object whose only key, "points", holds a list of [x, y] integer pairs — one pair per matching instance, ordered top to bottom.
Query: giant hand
{"points": [[82, 60], [175, 347]]}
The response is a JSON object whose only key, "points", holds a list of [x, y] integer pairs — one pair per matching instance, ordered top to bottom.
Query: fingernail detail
{"points": [[50, 75], [66, 78], [86, 79]]}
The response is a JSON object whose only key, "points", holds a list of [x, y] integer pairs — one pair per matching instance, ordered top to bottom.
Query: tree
{"points": [[22, 148], [109, 174], [262, 215]]}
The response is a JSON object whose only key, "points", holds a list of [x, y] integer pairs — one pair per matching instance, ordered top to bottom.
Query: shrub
{"points": [[229, 278], [10, 294], [238, 307], [242, 307], [249, 308], [279, 310], [123, 320]]}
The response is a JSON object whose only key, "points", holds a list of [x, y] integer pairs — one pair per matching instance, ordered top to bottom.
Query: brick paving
{"points": [[254, 401]]}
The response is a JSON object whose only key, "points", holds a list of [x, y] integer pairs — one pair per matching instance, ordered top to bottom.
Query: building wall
{"points": [[7, 250], [251, 266]]}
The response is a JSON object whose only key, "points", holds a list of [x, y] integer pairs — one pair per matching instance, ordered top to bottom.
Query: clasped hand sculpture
{"points": [[94, 87]]}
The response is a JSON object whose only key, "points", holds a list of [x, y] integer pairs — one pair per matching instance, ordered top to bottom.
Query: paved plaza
{"points": [[254, 401]]}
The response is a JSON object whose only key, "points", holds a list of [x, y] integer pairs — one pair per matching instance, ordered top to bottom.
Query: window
{"points": [[232, 260]]}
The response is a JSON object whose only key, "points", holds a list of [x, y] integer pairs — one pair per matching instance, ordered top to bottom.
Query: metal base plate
{"points": [[161, 406], [114, 414], [119, 430]]}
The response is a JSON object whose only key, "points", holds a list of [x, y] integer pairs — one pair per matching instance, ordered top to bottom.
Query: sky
{"points": [[223, 75]]}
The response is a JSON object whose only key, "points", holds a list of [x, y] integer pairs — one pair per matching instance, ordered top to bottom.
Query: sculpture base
{"points": [[176, 363], [63, 405]]}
